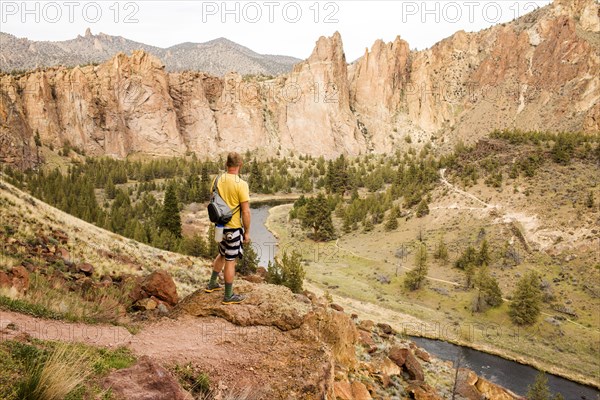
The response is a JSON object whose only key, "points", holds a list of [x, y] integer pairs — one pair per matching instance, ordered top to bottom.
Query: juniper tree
{"points": [[170, 219], [415, 277], [526, 303]]}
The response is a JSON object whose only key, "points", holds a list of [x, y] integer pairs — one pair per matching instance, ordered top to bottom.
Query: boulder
{"points": [[85, 268], [20, 278], [5, 281], [160, 284], [145, 304], [265, 304], [337, 307], [366, 325], [385, 328], [365, 338], [422, 354], [405, 358], [145, 380], [465, 384], [423, 391], [360, 392]]}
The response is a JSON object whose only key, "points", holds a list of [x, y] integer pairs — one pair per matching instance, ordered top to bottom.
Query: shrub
{"points": [[289, 272]]}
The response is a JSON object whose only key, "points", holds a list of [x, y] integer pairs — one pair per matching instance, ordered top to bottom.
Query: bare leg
{"points": [[219, 263], [229, 271]]}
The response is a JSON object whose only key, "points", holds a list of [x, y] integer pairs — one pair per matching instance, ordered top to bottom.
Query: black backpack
{"points": [[218, 211]]}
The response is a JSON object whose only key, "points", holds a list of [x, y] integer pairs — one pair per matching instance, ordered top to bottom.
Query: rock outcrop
{"points": [[535, 73], [145, 380]]}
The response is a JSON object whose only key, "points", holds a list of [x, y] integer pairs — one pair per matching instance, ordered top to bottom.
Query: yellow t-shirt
{"points": [[234, 191]]}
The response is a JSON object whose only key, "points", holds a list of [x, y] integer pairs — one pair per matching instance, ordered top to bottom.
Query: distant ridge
{"points": [[216, 57]]}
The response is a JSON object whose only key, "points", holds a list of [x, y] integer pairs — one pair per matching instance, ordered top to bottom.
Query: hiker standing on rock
{"points": [[234, 191]]}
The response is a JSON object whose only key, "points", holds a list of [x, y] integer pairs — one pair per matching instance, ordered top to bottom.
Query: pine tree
{"points": [[256, 178], [110, 189], [422, 209], [317, 216], [170, 219], [392, 222], [194, 246], [212, 246], [441, 252], [484, 254], [249, 263], [289, 272], [415, 277], [488, 291], [525, 306], [539, 390]]}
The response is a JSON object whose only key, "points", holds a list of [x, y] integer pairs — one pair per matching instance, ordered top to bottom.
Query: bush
{"points": [[249, 263], [289, 272]]}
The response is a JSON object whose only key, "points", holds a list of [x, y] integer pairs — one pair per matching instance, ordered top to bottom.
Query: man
{"points": [[234, 191]]}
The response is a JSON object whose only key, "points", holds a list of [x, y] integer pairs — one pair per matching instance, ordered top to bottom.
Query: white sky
{"points": [[282, 27]]}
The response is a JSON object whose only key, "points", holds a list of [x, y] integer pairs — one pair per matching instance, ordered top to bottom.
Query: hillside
{"points": [[216, 57], [534, 73], [317, 348]]}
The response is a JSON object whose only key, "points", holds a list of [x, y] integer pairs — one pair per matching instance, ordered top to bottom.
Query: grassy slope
{"points": [[88, 243], [351, 266]]}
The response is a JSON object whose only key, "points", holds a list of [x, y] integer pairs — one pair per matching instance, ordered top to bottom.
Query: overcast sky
{"points": [[269, 27]]}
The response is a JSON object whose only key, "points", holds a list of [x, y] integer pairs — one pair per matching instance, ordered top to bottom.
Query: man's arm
{"points": [[245, 207]]}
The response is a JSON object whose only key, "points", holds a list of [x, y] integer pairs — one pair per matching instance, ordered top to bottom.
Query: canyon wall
{"points": [[535, 73]]}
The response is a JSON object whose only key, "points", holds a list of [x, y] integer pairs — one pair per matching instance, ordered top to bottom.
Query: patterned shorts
{"points": [[231, 245]]}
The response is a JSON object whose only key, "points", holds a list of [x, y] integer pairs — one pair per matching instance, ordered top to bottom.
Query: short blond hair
{"points": [[234, 159]]}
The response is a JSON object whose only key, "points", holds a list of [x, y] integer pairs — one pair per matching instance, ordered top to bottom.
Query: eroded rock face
{"points": [[535, 73]]}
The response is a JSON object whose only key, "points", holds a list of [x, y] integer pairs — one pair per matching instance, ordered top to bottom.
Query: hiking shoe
{"points": [[211, 288], [233, 299]]}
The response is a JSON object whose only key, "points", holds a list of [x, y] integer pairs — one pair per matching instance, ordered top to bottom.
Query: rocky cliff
{"points": [[535, 73]]}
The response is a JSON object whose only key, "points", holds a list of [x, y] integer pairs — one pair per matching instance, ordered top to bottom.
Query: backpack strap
{"points": [[216, 190]]}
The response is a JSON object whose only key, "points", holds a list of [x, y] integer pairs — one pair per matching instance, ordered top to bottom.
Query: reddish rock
{"points": [[61, 236], [64, 254], [85, 268], [262, 271], [20, 278], [255, 278], [5, 281], [161, 285], [337, 307], [366, 325], [385, 328], [365, 338], [422, 354], [398, 355], [403, 357], [145, 380], [465, 384], [343, 390], [360, 392], [423, 392]]}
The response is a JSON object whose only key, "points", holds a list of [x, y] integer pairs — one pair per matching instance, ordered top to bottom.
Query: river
{"points": [[506, 373]]}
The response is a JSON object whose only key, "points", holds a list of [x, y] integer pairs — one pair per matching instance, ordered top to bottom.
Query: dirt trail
{"points": [[212, 344]]}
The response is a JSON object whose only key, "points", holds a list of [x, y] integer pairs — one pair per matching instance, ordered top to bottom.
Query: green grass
{"points": [[25, 307]]}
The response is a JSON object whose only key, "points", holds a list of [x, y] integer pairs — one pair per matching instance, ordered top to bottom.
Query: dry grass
{"points": [[57, 376]]}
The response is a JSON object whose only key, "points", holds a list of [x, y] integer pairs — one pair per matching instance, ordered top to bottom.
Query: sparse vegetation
{"points": [[414, 278]]}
